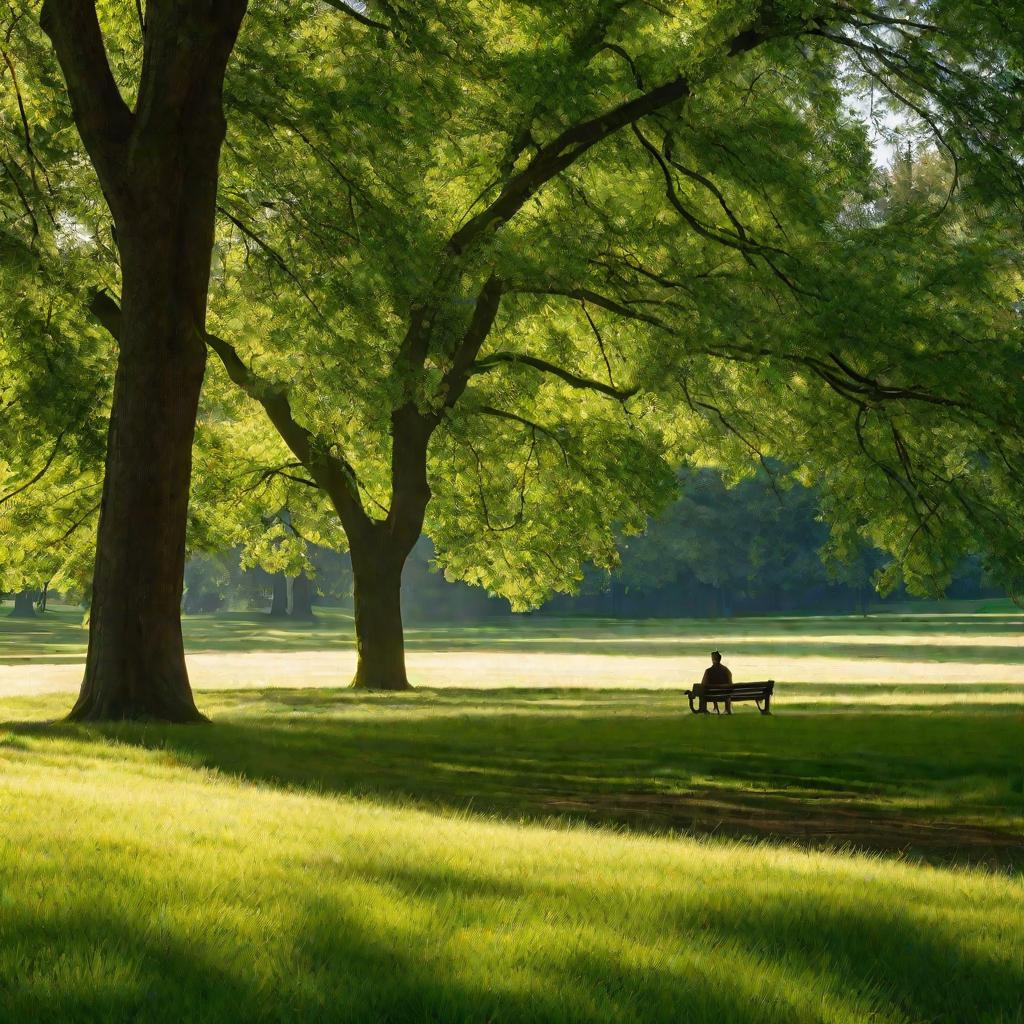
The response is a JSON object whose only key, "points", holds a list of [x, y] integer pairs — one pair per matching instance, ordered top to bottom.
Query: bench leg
{"points": [[766, 710]]}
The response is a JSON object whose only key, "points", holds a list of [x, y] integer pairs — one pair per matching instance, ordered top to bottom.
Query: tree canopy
{"points": [[494, 272]]}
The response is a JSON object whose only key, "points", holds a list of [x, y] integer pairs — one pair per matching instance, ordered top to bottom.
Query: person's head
{"points": [[716, 657]]}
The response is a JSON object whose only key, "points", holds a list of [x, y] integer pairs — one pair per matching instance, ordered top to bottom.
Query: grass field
{"points": [[963, 658], [525, 849]]}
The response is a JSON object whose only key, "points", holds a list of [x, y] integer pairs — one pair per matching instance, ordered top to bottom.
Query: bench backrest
{"points": [[767, 686]]}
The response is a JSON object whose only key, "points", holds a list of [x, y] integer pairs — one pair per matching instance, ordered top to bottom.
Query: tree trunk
{"points": [[157, 163], [279, 596], [302, 598], [24, 605], [380, 642], [135, 667]]}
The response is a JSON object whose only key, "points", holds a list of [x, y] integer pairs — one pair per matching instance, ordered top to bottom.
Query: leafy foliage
{"points": [[567, 247]]}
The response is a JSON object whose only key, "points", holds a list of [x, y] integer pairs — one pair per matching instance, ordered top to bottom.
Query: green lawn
{"points": [[60, 633], [960, 659], [521, 854]]}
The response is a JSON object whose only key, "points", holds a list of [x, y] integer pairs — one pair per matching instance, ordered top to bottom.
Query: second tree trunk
{"points": [[302, 598], [24, 605], [380, 642]]}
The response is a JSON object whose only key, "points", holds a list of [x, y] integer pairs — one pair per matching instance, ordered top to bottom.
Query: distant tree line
{"points": [[753, 548], [716, 551]]}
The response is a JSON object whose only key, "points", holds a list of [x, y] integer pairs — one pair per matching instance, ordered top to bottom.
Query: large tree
{"points": [[155, 155], [491, 273], [514, 284]]}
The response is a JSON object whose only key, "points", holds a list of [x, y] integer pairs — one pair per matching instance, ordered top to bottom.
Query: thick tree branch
{"points": [[186, 50], [103, 117], [566, 148], [107, 312], [484, 313], [495, 359], [411, 428], [331, 472]]}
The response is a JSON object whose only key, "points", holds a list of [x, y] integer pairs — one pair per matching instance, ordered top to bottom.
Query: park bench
{"points": [[758, 692]]}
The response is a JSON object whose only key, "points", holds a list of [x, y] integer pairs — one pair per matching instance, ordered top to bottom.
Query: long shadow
{"points": [[881, 783], [867, 945], [541, 951]]}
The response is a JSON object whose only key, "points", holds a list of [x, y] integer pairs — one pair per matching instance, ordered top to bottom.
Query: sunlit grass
{"points": [[829, 661], [541, 832], [140, 885]]}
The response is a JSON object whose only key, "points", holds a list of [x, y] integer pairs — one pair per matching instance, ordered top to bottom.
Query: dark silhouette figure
{"points": [[717, 676]]}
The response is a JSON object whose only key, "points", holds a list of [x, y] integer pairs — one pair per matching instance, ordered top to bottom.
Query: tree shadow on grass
{"points": [[888, 785], [459, 944], [866, 946]]}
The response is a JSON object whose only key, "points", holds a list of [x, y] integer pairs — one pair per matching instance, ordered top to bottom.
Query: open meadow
{"points": [[541, 831]]}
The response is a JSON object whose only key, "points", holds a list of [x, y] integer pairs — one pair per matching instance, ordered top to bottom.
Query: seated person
{"points": [[717, 676]]}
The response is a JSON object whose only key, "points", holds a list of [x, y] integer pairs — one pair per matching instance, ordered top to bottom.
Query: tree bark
{"points": [[157, 164], [279, 596], [302, 598], [24, 605], [380, 641], [135, 666]]}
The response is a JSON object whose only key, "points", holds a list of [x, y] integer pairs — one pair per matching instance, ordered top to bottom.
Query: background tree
{"points": [[633, 219], [751, 546]]}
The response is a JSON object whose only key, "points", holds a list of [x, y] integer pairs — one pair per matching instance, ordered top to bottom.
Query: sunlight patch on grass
{"points": [[484, 670], [152, 889]]}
